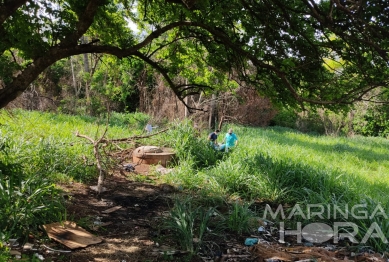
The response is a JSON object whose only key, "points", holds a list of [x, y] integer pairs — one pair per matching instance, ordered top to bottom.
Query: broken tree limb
{"points": [[137, 137], [102, 140], [96, 144]]}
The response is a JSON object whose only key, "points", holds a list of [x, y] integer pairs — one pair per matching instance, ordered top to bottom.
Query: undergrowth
{"points": [[269, 165]]}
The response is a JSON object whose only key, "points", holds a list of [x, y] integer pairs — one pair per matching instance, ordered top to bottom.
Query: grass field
{"points": [[272, 165]]}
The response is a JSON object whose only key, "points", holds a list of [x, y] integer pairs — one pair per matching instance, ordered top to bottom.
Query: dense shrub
{"points": [[285, 118], [307, 122], [374, 122], [188, 143], [26, 200]]}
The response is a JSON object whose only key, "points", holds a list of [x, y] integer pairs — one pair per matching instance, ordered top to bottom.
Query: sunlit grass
{"points": [[39, 150], [356, 157], [267, 164], [276, 165]]}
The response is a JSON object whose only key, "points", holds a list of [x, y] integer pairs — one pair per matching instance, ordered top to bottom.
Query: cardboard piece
{"points": [[70, 234]]}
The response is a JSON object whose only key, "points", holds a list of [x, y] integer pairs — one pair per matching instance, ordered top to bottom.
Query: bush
{"points": [[285, 118], [374, 122], [188, 144], [27, 201], [240, 218], [188, 223]]}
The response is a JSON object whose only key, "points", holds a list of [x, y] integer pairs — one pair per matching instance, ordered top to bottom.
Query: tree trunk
{"points": [[87, 71], [73, 77], [76, 91], [186, 99], [212, 113]]}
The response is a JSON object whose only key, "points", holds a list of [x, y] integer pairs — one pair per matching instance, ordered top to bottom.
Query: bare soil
{"points": [[133, 232]]}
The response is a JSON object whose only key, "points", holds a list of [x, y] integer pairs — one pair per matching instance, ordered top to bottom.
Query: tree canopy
{"points": [[329, 53]]}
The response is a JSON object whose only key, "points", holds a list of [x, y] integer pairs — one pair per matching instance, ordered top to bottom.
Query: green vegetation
{"points": [[208, 47], [366, 119], [39, 150], [270, 165], [283, 166], [184, 218], [240, 218]]}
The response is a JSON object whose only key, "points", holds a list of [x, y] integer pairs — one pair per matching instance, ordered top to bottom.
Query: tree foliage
{"points": [[330, 52]]}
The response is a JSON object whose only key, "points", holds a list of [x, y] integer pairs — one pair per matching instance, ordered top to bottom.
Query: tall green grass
{"points": [[45, 143], [38, 150], [270, 165], [279, 165], [282, 165], [26, 200], [188, 223]]}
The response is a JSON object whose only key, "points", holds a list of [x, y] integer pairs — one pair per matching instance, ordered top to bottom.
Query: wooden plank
{"points": [[112, 209]]}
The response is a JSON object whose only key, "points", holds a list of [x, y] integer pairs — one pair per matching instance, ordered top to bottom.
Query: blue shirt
{"points": [[212, 136], [231, 139]]}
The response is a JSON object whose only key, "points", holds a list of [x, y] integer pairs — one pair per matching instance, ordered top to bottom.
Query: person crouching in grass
{"points": [[212, 137]]}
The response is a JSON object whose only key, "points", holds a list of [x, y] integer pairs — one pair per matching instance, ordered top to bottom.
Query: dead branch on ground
{"points": [[104, 141]]}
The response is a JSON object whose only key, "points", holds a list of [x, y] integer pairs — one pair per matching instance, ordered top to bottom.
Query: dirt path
{"points": [[131, 232]]}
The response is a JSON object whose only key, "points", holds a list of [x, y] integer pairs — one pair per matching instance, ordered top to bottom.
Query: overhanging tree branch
{"points": [[8, 8], [271, 44]]}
